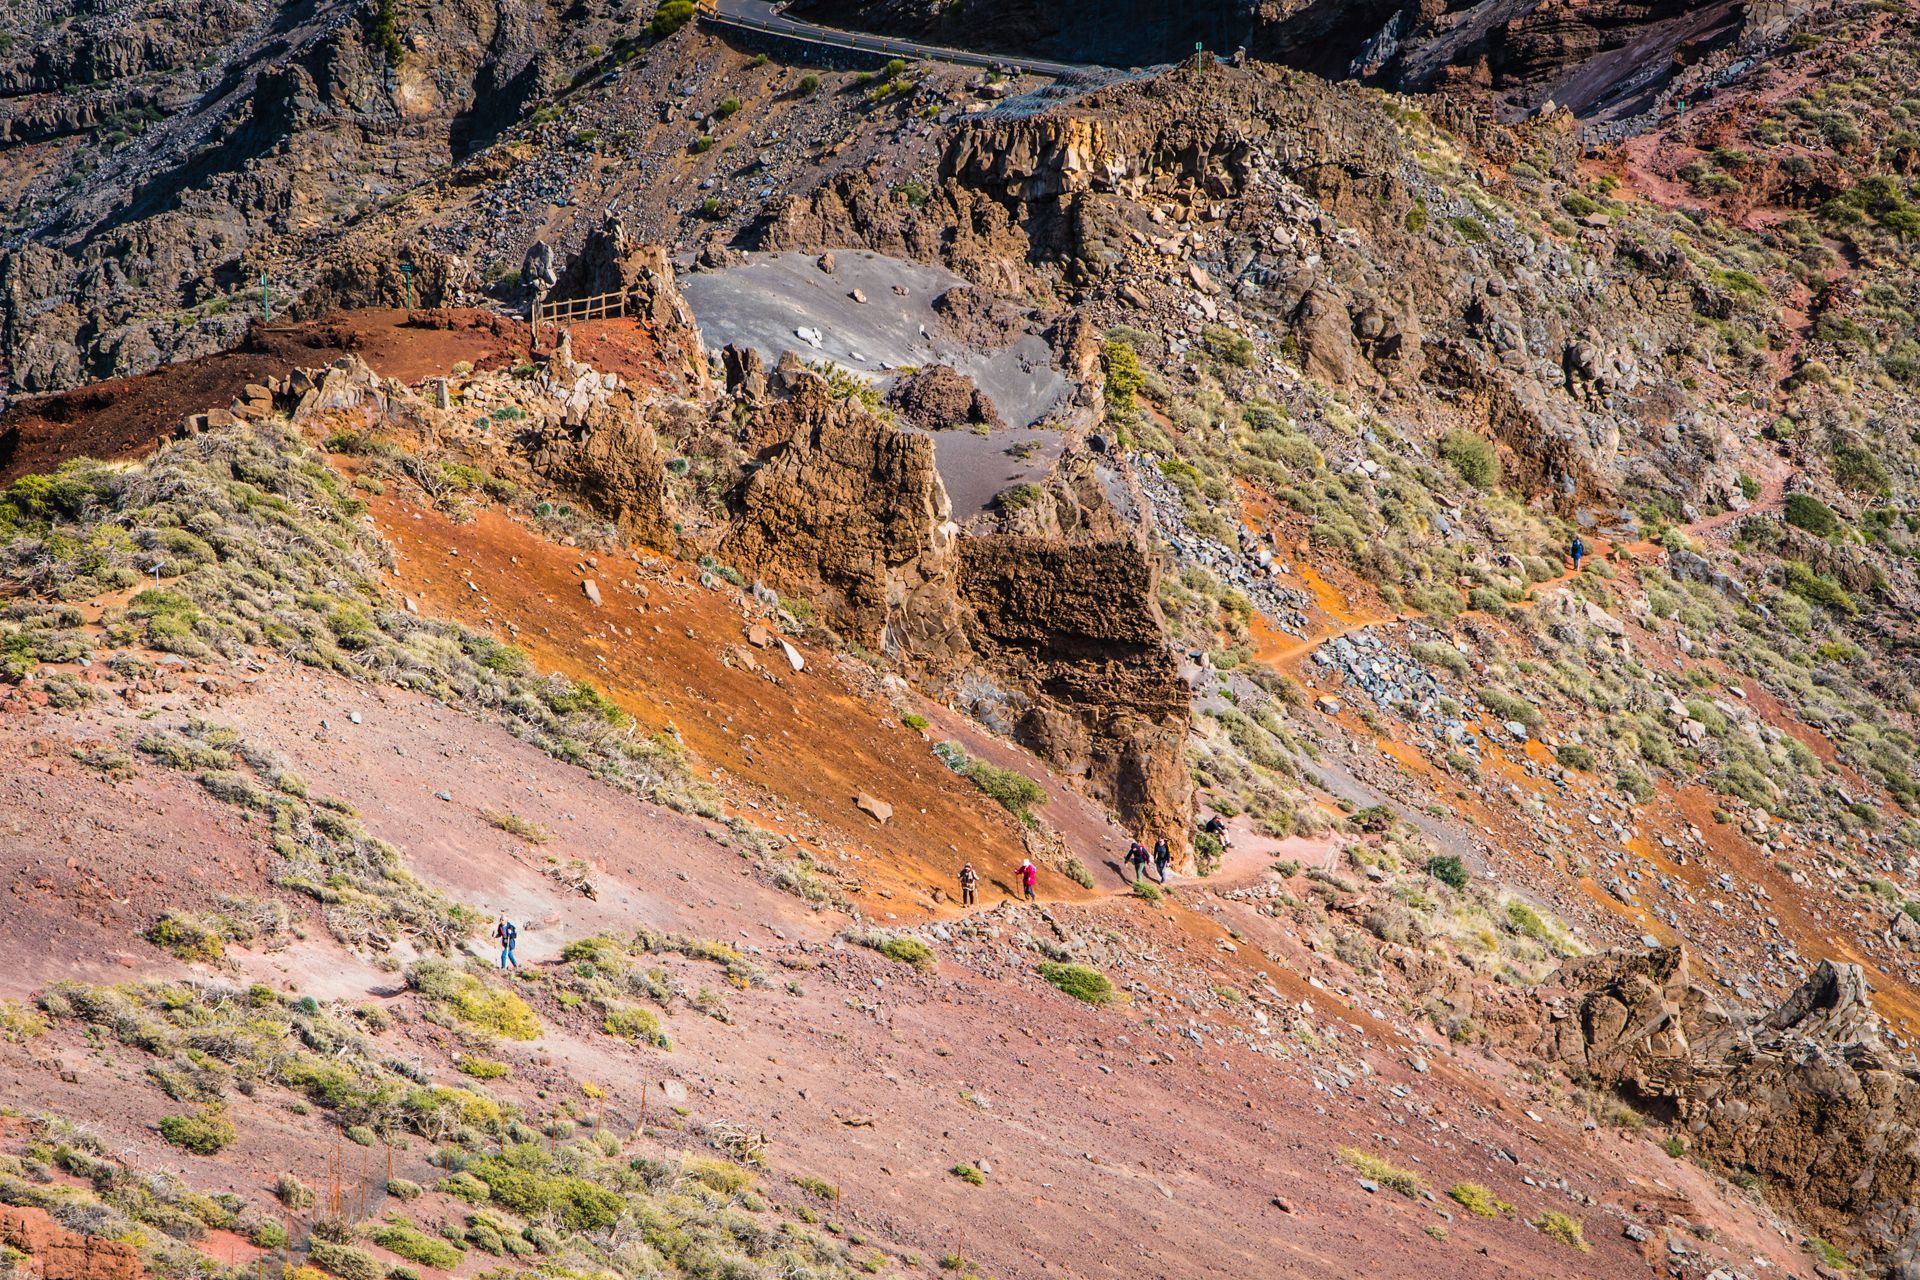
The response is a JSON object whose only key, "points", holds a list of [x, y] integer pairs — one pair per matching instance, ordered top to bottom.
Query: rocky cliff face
{"points": [[1599, 57], [206, 139], [1264, 202], [848, 510], [1075, 622], [1808, 1096]]}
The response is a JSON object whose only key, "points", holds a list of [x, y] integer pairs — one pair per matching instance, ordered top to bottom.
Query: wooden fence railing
{"points": [[567, 310]]}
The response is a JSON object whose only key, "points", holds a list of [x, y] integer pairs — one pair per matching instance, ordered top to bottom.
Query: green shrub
{"points": [[670, 17], [809, 85], [728, 108], [1125, 379], [1471, 456], [1804, 511], [1509, 707], [917, 723], [1574, 756], [1011, 790], [1448, 870], [1076, 871], [1147, 891], [1526, 921], [187, 938], [908, 950], [1082, 982], [474, 1001], [631, 1022], [482, 1068], [205, 1133], [1381, 1171], [968, 1173], [723, 1176], [464, 1186], [818, 1186], [404, 1189], [1476, 1199], [574, 1201], [1567, 1230], [268, 1234], [399, 1236], [1829, 1254], [345, 1261]]}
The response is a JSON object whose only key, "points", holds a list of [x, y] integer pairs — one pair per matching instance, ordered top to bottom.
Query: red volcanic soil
{"points": [[129, 417]]}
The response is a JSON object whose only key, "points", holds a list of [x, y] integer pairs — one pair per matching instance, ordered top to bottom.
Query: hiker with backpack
{"points": [[1579, 549], [1216, 826], [1162, 858], [1137, 860], [1028, 875], [969, 879], [508, 935]]}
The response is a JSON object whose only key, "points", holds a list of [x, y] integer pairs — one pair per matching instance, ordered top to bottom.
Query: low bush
{"points": [[670, 17], [1471, 456], [1804, 511], [1448, 870], [1082, 982], [475, 1001], [629, 1022], [205, 1133], [1388, 1175], [1476, 1199], [1567, 1230], [399, 1236], [345, 1261]]}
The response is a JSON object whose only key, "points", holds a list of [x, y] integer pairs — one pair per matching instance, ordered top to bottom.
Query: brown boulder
{"points": [[938, 397], [55, 1253]]}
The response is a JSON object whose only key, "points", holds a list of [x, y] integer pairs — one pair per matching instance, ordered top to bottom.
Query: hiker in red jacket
{"points": [[1028, 874]]}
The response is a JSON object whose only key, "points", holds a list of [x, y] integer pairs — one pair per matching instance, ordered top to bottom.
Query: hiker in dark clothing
{"points": [[1579, 549], [1216, 826], [1162, 858], [1137, 860], [1028, 875], [968, 879], [508, 935]]}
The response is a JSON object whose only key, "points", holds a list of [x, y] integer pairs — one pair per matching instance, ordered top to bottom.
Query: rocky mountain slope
{"points": [[980, 469]]}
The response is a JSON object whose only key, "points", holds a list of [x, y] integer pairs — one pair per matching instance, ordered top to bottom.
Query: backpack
{"points": [[508, 934]]}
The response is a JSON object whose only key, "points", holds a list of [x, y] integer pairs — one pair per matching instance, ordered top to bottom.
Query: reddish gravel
{"points": [[129, 417]]}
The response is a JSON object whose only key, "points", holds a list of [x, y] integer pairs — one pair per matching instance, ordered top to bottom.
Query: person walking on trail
{"points": [[1579, 549], [1162, 858], [1137, 860], [1028, 875], [969, 878], [508, 935]]}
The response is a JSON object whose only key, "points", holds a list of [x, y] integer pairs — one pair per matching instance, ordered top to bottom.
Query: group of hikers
{"points": [[1138, 856], [970, 882]]}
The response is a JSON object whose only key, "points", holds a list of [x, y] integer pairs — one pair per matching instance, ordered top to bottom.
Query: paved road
{"points": [[766, 16]]}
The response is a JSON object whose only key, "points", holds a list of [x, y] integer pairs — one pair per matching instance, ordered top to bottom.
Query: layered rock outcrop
{"points": [[848, 510], [1077, 625], [1808, 1096], [54, 1253]]}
